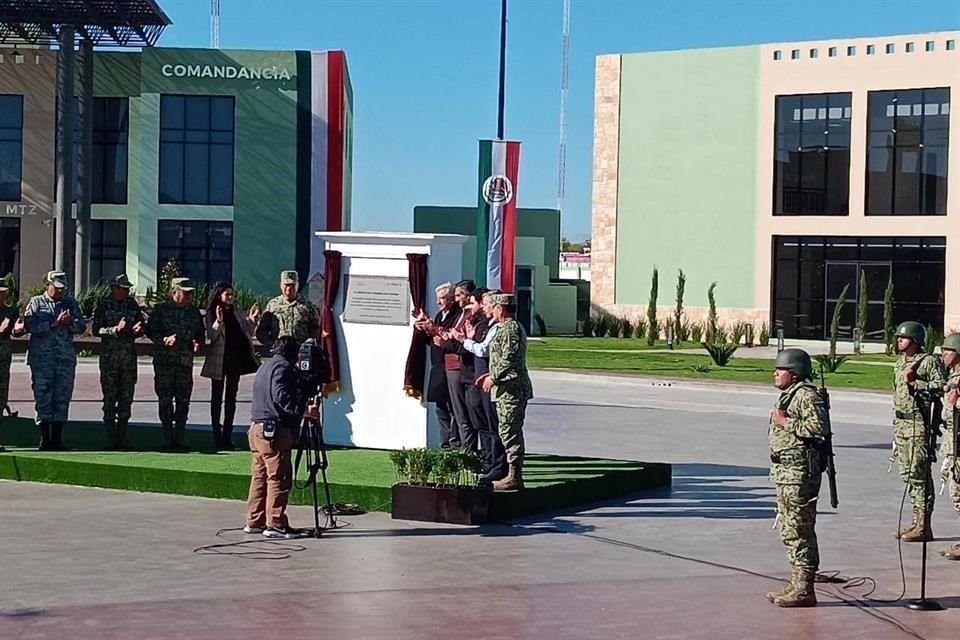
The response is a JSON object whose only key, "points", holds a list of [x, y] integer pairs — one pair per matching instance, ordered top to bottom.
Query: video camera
{"points": [[312, 368]]}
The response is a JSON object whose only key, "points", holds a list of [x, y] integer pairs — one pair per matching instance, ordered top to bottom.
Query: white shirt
{"points": [[481, 349]]}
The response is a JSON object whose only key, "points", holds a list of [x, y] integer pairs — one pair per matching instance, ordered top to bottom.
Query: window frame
{"points": [[845, 100], [17, 139], [181, 139], [871, 208], [98, 247], [178, 252]]}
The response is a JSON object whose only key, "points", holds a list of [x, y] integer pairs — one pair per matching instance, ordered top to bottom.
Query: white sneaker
{"points": [[248, 529], [284, 533]]}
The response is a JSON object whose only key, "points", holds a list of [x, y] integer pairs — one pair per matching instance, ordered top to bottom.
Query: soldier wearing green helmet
{"points": [[915, 373], [797, 423], [950, 469]]}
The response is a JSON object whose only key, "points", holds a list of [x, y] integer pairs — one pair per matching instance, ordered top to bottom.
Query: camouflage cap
{"points": [[289, 277], [57, 279], [121, 281], [182, 284], [502, 299]]}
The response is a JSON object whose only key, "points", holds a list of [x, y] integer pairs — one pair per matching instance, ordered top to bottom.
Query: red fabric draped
{"points": [[328, 335], [415, 370]]}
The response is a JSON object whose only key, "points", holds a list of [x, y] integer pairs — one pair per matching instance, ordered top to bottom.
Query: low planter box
{"points": [[452, 505]]}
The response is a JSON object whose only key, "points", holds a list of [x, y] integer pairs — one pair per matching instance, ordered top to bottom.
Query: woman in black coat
{"points": [[230, 355]]}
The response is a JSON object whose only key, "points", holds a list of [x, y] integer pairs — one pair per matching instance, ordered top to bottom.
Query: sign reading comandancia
{"points": [[224, 71]]}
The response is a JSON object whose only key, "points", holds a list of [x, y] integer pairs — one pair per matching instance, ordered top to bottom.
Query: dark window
{"points": [[110, 130], [908, 133], [11, 147], [196, 150], [108, 164], [811, 166], [10, 247], [108, 249], [203, 249], [810, 272]]}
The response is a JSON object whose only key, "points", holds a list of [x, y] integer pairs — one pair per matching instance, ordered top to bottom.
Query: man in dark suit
{"points": [[437, 387]]}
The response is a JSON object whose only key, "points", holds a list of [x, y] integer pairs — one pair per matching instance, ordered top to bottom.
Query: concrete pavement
{"points": [[690, 563]]}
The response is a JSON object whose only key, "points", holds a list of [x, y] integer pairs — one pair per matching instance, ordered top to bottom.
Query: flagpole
{"points": [[503, 66]]}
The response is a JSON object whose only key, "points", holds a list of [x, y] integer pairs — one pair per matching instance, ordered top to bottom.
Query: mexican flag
{"points": [[497, 213]]}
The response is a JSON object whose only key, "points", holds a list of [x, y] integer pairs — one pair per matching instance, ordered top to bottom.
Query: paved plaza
{"points": [[693, 562]]}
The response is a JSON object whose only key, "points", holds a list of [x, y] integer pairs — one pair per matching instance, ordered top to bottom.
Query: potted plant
{"points": [[438, 486]]}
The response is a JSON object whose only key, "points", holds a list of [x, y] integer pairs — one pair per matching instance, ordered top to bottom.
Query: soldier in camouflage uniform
{"points": [[289, 314], [8, 319], [53, 319], [118, 322], [176, 327], [916, 375], [510, 386], [798, 423], [950, 469]]}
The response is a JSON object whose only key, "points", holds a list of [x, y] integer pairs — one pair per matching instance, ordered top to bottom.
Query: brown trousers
{"points": [[271, 476]]}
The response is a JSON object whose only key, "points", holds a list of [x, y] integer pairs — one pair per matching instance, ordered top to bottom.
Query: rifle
{"points": [[826, 446]]}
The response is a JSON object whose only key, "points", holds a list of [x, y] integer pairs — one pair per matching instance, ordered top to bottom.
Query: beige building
{"points": [[783, 172]]}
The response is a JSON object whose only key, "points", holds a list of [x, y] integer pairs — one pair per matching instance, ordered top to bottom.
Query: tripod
{"points": [[930, 444], [314, 449]]}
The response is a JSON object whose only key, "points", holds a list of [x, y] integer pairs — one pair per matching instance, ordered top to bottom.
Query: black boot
{"points": [[56, 435], [44, 437], [179, 437]]}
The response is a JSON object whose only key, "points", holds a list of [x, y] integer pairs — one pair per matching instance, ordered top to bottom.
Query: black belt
{"points": [[905, 415]]}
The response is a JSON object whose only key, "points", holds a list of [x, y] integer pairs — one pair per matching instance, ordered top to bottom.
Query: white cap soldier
{"points": [[289, 314], [53, 319], [8, 320], [118, 322], [176, 328], [916, 376], [797, 422], [950, 469]]}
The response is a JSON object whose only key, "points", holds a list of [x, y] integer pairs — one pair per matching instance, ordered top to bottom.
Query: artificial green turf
{"points": [[360, 476]]}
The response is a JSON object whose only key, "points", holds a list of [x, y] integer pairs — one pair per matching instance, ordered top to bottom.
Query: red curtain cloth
{"points": [[328, 335], [415, 371]]}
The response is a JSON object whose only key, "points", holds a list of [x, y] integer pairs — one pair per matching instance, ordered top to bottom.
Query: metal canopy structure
{"points": [[109, 23]]}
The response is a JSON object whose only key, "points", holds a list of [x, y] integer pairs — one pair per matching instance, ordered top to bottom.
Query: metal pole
{"points": [[503, 66], [85, 181], [63, 258]]}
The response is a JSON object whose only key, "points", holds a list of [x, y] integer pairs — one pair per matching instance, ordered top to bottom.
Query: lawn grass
{"points": [[683, 365], [361, 476]]}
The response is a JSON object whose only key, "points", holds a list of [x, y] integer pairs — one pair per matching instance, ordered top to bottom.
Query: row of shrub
{"points": [[606, 325], [442, 467]]}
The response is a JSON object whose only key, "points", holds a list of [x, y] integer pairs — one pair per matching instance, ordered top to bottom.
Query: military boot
{"points": [[111, 428], [180, 436], [44, 437], [56, 437], [122, 443], [514, 479], [917, 513], [923, 532], [951, 553], [802, 594], [773, 595]]}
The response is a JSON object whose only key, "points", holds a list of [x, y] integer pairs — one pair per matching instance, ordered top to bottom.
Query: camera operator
{"points": [[276, 413]]}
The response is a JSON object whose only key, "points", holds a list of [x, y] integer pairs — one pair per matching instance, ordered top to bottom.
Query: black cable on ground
{"points": [[260, 548], [860, 604]]}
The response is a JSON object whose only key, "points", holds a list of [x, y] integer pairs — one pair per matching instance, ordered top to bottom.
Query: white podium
{"points": [[374, 328]]}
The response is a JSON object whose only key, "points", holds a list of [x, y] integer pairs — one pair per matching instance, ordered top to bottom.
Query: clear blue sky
{"points": [[424, 76]]}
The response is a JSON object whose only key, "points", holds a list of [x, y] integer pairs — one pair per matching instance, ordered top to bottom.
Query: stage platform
{"points": [[360, 476]]}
